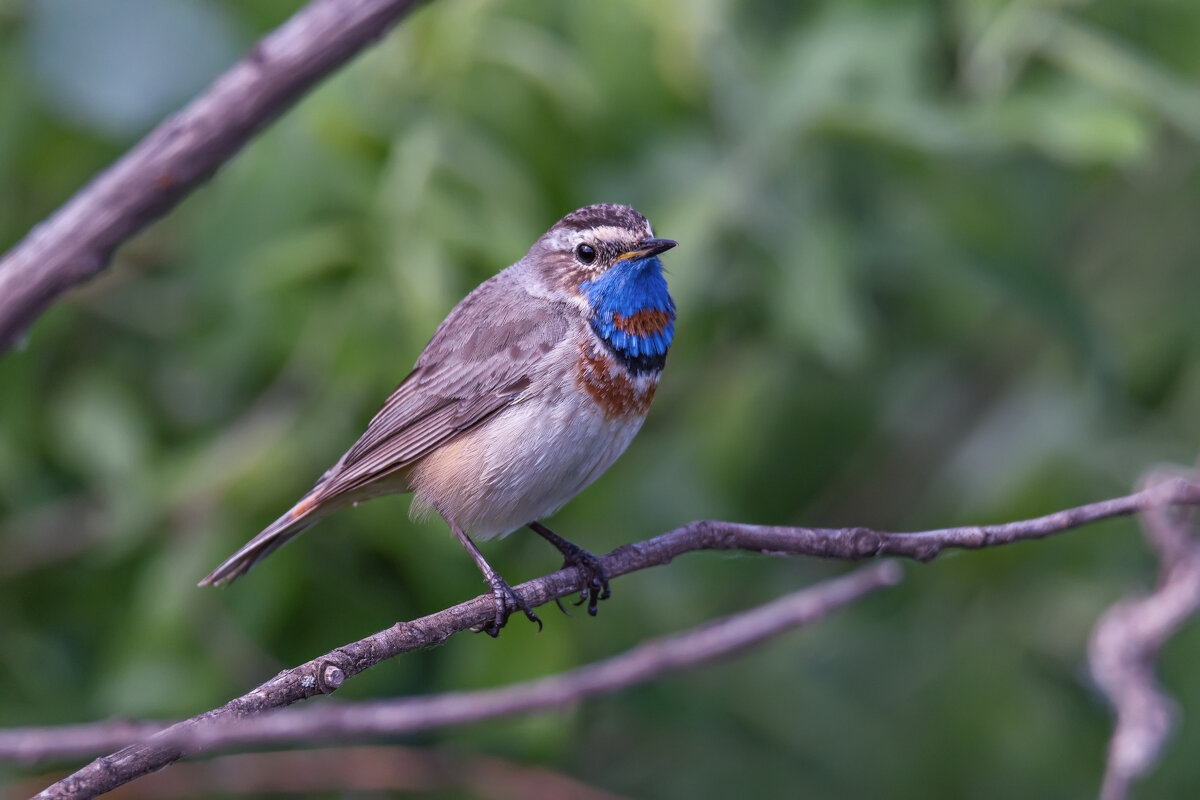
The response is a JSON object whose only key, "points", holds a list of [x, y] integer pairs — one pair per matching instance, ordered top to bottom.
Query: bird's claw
{"points": [[591, 571], [502, 593]]}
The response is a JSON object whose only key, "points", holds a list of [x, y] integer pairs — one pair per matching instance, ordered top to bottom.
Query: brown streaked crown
{"points": [[604, 215]]}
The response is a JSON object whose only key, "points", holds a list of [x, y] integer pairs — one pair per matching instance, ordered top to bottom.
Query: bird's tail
{"points": [[296, 521]]}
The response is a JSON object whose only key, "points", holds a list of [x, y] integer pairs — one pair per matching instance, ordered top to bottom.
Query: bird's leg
{"points": [[595, 579], [501, 591]]}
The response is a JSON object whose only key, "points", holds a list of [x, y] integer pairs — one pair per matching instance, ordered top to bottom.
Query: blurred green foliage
{"points": [[937, 265]]}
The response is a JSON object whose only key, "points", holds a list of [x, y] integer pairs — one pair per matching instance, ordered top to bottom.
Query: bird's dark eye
{"points": [[585, 253]]}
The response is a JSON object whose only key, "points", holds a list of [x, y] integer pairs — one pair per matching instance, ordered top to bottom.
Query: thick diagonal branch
{"points": [[77, 241]]}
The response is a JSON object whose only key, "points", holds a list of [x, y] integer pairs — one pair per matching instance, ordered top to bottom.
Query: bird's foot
{"points": [[595, 578], [502, 593]]}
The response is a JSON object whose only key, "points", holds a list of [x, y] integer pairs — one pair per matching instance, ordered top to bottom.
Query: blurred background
{"points": [[936, 266]]}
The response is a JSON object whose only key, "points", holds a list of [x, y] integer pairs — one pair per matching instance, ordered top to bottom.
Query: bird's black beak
{"points": [[650, 247]]}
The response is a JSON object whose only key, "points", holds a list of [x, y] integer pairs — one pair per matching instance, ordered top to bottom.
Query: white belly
{"points": [[523, 464]]}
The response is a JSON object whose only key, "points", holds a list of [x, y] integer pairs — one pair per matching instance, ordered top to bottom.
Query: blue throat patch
{"points": [[621, 292]]}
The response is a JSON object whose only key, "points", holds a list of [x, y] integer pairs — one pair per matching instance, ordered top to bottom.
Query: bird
{"points": [[531, 387]]}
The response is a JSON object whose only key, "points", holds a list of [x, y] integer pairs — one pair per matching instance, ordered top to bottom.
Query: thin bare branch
{"points": [[78, 240], [1125, 645], [324, 674], [327, 723]]}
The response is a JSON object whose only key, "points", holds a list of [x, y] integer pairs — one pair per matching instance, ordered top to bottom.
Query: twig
{"points": [[77, 241], [1125, 644], [642, 663], [325, 674]]}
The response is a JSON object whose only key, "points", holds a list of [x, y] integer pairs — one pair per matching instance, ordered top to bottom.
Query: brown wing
{"points": [[482, 358]]}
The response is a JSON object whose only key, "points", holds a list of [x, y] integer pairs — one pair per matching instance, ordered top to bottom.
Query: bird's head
{"points": [[595, 239], [601, 250], [604, 258]]}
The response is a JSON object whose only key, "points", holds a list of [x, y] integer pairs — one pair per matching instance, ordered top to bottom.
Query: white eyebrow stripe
{"points": [[607, 233]]}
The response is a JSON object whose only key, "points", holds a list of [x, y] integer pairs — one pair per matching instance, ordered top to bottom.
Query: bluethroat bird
{"points": [[528, 391]]}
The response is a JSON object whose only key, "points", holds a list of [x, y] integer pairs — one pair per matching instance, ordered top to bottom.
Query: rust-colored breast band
{"points": [[614, 390]]}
